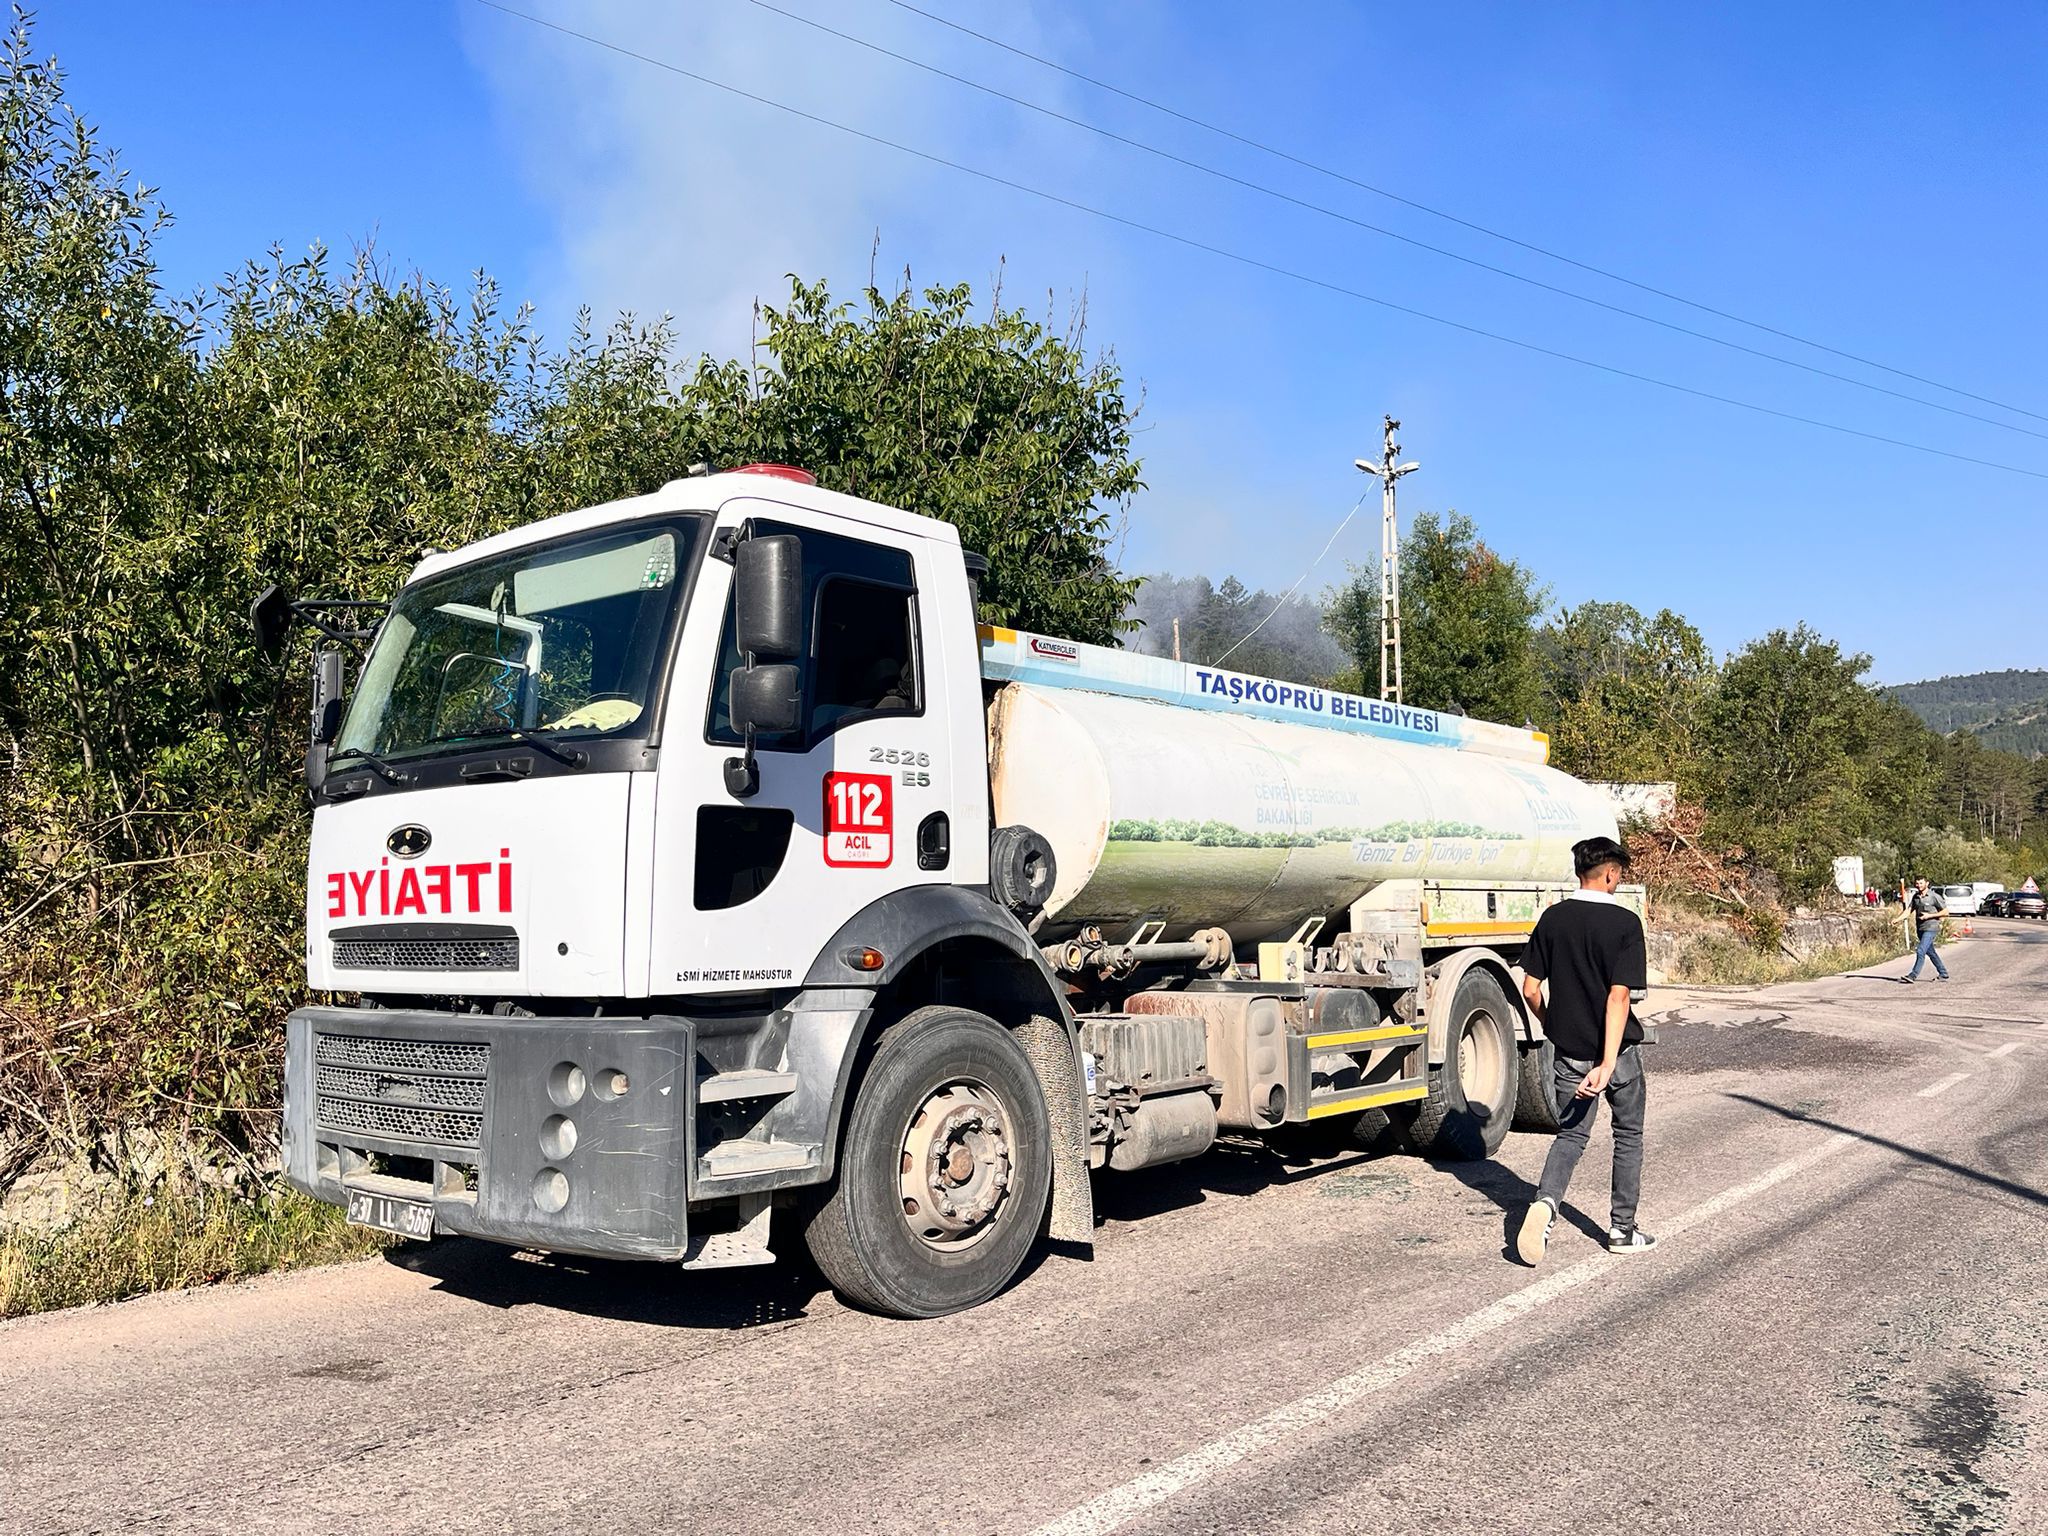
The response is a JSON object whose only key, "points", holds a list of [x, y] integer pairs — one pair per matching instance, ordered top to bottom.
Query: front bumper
{"points": [[571, 1134]]}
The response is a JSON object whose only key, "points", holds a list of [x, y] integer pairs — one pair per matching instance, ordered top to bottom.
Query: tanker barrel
{"points": [[1181, 818]]}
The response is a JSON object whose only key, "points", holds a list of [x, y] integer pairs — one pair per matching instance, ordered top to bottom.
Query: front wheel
{"points": [[1472, 1095], [945, 1169]]}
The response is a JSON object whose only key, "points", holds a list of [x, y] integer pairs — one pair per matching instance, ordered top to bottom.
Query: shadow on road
{"points": [[1230, 1168], [1975, 1175], [1512, 1193], [659, 1294]]}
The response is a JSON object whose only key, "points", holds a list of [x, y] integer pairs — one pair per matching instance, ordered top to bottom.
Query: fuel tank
{"points": [[1198, 817]]}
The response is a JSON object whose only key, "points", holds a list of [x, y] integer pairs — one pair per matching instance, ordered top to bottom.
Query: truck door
{"points": [[857, 801]]}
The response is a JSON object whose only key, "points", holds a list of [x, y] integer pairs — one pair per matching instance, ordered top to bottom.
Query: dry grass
{"points": [[1723, 960], [169, 1238]]}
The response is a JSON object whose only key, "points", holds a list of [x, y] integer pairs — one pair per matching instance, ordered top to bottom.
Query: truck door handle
{"points": [[934, 841]]}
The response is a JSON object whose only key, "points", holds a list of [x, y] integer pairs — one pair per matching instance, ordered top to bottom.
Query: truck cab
{"points": [[541, 842]]}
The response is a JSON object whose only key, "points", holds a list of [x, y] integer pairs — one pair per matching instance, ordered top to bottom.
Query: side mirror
{"points": [[768, 599], [270, 616], [327, 690], [767, 699]]}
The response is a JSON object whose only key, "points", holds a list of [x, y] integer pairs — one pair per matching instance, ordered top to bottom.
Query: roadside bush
{"points": [[169, 1236]]}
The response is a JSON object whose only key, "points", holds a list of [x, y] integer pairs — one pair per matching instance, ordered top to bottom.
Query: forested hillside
{"points": [[2005, 710], [2023, 730]]}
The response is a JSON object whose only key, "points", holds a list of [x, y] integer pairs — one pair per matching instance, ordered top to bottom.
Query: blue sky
{"points": [[1868, 175]]}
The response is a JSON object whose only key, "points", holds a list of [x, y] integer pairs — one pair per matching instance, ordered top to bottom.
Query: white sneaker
{"points": [[1534, 1237], [1629, 1240]]}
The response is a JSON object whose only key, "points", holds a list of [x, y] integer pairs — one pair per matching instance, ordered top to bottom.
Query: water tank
{"points": [[1199, 818]]}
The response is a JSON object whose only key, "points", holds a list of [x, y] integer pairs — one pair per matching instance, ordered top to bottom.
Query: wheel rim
{"points": [[1482, 1067], [956, 1165]]}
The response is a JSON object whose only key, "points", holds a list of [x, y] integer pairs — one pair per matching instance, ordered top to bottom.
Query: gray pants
{"points": [[1627, 1093]]}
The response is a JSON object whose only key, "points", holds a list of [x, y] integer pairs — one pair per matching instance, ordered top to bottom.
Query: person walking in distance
{"points": [[1928, 910], [1590, 949]]}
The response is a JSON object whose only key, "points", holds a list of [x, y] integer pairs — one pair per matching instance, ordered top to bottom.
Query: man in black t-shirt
{"points": [[1590, 949]]}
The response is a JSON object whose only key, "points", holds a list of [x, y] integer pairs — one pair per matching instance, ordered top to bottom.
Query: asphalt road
{"points": [[1845, 1329]]}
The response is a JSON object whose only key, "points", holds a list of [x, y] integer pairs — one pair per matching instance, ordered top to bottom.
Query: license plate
{"points": [[388, 1213]]}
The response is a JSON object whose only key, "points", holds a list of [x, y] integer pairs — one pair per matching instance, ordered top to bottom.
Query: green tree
{"points": [[996, 425], [95, 434], [1466, 643], [1624, 696], [1792, 765], [1902, 783]]}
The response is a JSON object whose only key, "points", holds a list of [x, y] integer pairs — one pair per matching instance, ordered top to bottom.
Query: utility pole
{"points": [[1388, 471]]}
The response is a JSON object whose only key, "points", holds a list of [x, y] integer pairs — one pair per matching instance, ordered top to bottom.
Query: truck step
{"points": [[747, 1083], [1348, 1101], [730, 1159], [745, 1244], [724, 1250]]}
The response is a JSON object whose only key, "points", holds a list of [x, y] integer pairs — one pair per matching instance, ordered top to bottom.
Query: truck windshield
{"points": [[563, 638]]}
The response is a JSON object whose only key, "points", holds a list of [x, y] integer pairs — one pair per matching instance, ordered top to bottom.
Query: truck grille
{"points": [[424, 950], [402, 1090]]}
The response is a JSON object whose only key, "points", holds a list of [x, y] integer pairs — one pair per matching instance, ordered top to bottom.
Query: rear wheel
{"points": [[1535, 1092], [1472, 1094], [945, 1169]]}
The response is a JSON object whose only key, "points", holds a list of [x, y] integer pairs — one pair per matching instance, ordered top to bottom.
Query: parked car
{"points": [[1961, 899], [1996, 904], [2029, 904]]}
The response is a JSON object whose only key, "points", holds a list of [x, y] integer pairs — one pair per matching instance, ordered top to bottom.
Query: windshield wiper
{"points": [[564, 755], [370, 760]]}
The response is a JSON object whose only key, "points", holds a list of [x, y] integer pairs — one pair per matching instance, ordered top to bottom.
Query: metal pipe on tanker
{"points": [[1197, 818]]}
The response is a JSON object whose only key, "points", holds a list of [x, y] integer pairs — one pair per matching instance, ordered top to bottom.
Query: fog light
{"points": [[565, 1083], [558, 1137], [551, 1189]]}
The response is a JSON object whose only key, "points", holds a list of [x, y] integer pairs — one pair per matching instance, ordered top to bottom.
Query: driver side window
{"points": [[861, 656]]}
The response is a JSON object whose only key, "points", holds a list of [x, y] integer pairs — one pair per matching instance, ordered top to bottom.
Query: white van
{"points": [[1963, 899]]}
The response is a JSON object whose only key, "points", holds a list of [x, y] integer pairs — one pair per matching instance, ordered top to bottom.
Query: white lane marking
{"points": [[2004, 1050], [1941, 1087], [1126, 1501]]}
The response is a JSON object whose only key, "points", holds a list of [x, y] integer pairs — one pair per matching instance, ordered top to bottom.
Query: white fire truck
{"points": [[698, 855]]}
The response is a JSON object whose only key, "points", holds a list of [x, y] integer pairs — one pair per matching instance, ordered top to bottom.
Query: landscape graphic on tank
{"points": [[1221, 834], [1219, 868]]}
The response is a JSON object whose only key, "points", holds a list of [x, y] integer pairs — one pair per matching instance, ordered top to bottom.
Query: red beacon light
{"points": [[779, 472]]}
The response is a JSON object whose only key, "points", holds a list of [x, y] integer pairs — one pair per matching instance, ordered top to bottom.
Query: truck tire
{"points": [[1535, 1093], [1472, 1095], [945, 1169]]}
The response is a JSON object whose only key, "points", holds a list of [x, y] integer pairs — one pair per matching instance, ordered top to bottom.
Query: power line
{"points": [[1205, 169], [1439, 213], [1191, 243], [1288, 595]]}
